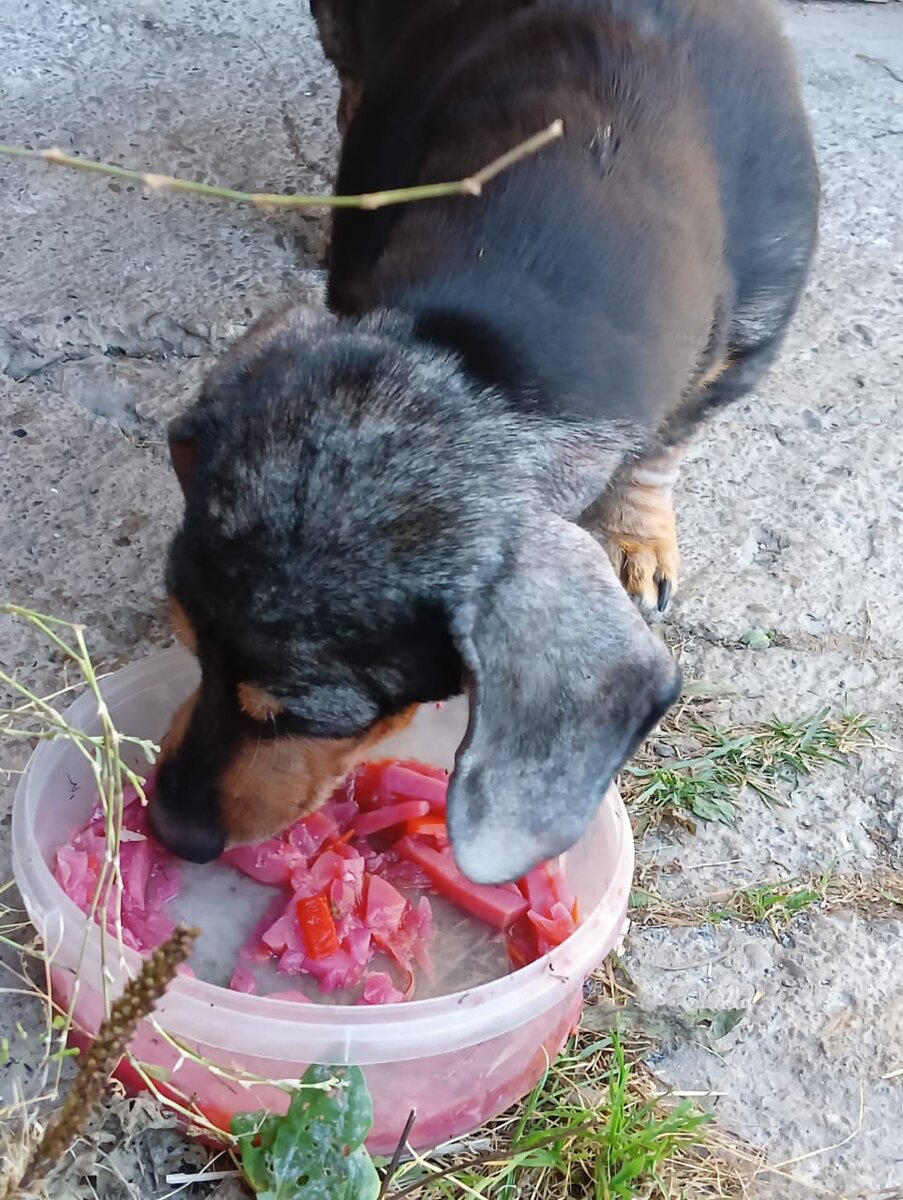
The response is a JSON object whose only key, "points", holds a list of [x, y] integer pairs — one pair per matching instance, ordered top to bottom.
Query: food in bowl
{"points": [[350, 910], [473, 1040]]}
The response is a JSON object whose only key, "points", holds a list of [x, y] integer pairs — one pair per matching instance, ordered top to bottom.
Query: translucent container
{"points": [[457, 1059]]}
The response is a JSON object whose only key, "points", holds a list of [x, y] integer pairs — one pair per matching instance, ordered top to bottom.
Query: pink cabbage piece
{"points": [[150, 876], [374, 889], [252, 950], [243, 980], [379, 989]]}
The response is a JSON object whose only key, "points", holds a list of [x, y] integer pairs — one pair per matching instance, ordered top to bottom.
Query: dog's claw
{"points": [[634, 521], [647, 570], [665, 591]]}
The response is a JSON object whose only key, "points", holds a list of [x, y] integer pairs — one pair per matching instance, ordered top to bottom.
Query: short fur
{"points": [[404, 499]]}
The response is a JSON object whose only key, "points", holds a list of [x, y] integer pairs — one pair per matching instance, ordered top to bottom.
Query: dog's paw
{"points": [[634, 521], [647, 567]]}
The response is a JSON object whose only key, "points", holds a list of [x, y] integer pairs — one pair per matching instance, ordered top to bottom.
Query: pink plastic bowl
{"points": [[457, 1059]]}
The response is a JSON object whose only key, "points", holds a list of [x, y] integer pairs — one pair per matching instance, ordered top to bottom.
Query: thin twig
{"points": [[471, 186], [492, 1157], [389, 1173], [183, 1179]]}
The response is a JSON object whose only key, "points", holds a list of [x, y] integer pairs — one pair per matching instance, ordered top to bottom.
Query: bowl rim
{"points": [[210, 1014]]}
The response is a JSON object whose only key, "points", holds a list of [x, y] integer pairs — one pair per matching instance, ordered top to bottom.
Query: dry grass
{"points": [[878, 895]]}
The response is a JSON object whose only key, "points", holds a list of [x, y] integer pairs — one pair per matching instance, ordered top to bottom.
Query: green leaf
{"points": [[756, 639], [714, 808], [642, 898], [719, 1021], [255, 1133], [316, 1150]]}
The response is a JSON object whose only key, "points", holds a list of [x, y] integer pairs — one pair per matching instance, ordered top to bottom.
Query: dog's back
{"points": [[671, 227]]}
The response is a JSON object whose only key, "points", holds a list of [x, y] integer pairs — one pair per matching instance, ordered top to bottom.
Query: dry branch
{"points": [[471, 186], [113, 1037]]}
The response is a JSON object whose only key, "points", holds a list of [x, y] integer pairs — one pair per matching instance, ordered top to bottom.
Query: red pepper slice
{"points": [[399, 782], [363, 785], [389, 816], [431, 827], [497, 906], [317, 926], [522, 944]]}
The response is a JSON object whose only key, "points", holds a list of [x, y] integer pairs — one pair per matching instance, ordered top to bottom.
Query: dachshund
{"points": [[460, 477]]}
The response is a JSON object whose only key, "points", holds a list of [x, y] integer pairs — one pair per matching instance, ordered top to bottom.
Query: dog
{"points": [[461, 476]]}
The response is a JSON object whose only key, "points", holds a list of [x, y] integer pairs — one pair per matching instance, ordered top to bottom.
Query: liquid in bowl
{"points": [[458, 1059]]}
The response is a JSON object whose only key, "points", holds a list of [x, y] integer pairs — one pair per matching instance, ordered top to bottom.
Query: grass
{"points": [[708, 783], [770, 904], [775, 905], [597, 1127]]}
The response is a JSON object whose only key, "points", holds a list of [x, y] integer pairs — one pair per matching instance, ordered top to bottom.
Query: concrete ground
{"points": [[113, 304]]}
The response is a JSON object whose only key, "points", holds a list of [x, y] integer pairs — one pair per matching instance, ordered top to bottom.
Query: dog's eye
{"points": [[257, 703], [332, 711]]}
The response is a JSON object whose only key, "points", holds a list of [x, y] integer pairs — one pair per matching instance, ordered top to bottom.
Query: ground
{"points": [[114, 303]]}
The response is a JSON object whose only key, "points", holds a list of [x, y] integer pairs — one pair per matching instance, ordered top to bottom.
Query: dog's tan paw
{"points": [[634, 521], [648, 568]]}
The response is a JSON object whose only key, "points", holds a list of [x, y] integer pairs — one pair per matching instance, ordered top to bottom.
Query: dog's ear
{"points": [[183, 450], [566, 679]]}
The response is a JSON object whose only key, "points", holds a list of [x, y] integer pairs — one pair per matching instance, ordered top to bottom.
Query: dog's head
{"points": [[363, 532]]}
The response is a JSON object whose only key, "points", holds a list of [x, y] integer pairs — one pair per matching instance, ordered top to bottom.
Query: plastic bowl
{"points": [[458, 1059]]}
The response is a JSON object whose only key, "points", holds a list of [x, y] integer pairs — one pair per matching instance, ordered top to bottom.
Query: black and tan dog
{"points": [[463, 478]]}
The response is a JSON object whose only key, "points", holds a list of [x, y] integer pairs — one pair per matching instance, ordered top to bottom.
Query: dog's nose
{"points": [[184, 818]]}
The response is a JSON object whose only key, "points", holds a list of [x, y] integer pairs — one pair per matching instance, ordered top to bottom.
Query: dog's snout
{"points": [[183, 821]]}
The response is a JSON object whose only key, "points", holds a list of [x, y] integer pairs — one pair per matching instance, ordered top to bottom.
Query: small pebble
{"points": [[793, 969]]}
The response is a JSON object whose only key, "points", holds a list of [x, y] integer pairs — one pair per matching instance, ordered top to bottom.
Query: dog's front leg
{"points": [[634, 521]]}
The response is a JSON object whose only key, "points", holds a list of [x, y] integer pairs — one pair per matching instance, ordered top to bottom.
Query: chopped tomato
{"points": [[317, 926]]}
